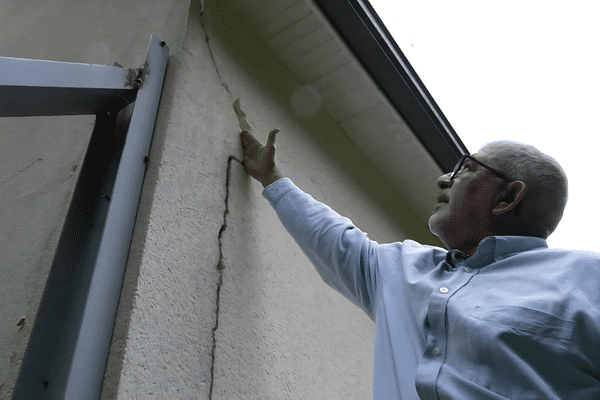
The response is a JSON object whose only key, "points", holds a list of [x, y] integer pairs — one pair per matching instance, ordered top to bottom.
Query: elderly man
{"points": [[497, 316]]}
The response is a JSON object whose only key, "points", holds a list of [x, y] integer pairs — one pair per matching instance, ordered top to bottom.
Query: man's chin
{"points": [[434, 225]]}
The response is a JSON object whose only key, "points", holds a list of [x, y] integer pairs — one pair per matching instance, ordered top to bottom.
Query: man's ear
{"points": [[510, 197]]}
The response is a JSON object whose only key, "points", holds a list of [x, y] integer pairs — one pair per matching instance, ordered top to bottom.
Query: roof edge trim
{"points": [[360, 27]]}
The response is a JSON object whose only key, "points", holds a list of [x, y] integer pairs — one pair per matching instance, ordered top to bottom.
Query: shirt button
{"points": [[469, 270], [444, 290], [436, 351]]}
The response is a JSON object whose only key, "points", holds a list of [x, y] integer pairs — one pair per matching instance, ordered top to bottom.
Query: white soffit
{"points": [[301, 36]]}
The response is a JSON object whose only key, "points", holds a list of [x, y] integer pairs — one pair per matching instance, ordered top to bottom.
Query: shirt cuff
{"points": [[276, 190]]}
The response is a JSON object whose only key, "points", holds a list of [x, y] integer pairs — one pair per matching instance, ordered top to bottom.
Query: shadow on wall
{"points": [[40, 161]]}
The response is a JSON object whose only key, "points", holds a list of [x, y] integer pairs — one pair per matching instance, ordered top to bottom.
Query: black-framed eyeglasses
{"points": [[466, 157]]}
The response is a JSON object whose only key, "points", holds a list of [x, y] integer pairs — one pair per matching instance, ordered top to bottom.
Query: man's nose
{"points": [[444, 181]]}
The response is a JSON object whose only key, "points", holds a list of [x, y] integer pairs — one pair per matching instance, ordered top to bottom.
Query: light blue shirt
{"points": [[516, 320]]}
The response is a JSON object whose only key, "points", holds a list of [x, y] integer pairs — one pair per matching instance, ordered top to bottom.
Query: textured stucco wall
{"points": [[264, 325], [282, 332], [162, 342]]}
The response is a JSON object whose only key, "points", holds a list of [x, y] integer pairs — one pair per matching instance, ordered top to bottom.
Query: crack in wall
{"points": [[212, 56], [245, 126], [23, 170], [220, 268]]}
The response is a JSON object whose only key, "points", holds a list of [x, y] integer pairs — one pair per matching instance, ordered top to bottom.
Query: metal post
{"points": [[91, 351]]}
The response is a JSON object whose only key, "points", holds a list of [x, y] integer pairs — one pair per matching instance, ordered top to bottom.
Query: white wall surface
{"points": [[281, 333]]}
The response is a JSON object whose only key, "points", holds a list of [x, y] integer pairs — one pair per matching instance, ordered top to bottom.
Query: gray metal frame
{"points": [[38, 87], [70, 339]]}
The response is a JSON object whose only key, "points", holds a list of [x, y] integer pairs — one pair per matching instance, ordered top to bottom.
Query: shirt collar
{"points": [[495, 248], [453, 257]]}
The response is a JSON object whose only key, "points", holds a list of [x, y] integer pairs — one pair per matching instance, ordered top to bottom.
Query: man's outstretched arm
{"points": [[259, 160], [342, 254]]}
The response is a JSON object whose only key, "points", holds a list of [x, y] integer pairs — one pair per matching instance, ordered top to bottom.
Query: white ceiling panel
{"points": [[313, 51]]}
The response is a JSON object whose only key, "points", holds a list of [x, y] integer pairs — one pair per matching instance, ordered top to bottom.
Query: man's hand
{"points": [[259, 160]]}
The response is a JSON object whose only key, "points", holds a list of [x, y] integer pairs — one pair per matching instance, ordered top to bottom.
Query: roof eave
{"points": [[364, 33]]}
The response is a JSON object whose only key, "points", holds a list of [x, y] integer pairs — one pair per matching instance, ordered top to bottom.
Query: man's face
{"points": [[463, 211]]}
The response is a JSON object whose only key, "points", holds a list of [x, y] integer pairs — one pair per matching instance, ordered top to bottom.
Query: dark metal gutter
{"points": [[365, 34]]}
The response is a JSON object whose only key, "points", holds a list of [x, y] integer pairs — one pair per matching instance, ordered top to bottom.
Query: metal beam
{"points": [[39, 87]]}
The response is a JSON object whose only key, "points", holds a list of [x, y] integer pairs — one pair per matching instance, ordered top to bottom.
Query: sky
{"points": [[527, 71]]}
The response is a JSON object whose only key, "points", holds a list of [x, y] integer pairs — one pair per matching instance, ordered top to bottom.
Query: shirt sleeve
{"points": [[342, 254]]}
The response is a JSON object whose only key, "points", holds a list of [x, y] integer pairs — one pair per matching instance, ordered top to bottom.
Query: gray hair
{"points": [[546, 182]]}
